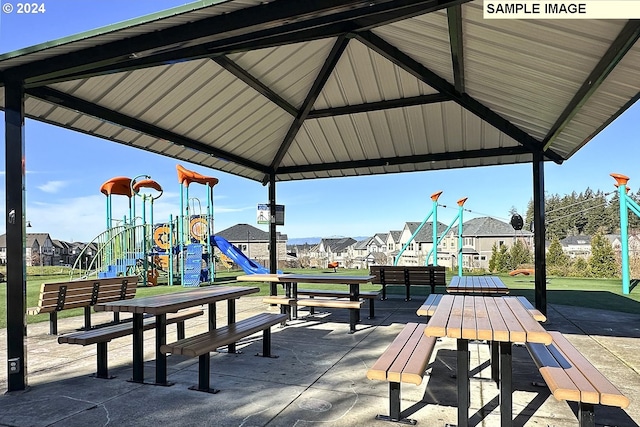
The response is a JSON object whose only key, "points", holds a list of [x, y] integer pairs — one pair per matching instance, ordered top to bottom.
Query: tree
{"points": [[519, 254], [555, 255], [504, 259], [493, 261], [602, 262]]}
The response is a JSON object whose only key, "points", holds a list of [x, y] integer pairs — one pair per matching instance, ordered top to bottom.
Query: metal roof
{"points": [[333, 88]]}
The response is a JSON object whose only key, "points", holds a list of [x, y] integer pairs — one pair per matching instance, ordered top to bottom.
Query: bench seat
{"points": [[407, 276], [370, 296], [55, 297], [102, 335], [202, 344], [404, 361], [571, 377]]}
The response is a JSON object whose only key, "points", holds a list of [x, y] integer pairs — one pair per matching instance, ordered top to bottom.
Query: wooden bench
{"points": [[426, 275], [370, 296], [55, 297], [352, 306], [429, 306], [102, 335], [201, 345], [404, 361], [571, 377]]}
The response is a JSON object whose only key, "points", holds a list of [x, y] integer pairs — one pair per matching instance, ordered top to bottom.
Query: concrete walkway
{"points": [[318, 379]]}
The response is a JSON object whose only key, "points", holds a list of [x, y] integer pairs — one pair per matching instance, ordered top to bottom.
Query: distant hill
{"points": [[316, 240]]}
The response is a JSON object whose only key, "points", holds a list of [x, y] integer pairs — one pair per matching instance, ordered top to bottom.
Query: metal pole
{"points": [[621, 182], [435, 229], [539, 232], [16, 234], [460, 239], [273, 242]]}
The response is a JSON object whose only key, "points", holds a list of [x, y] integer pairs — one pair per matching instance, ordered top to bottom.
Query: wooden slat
{"points": [[336, 294], [280, 300], [329, 303], [429, 306], [537, 314], [482, 320], [437, 326], [454, 326], [499, 328], [469, 330], [516, 331], [534, 332], [107, 333], [211, 340], [404, 357], [380, 368], [413, 372], [554, 375], [609, 394]]}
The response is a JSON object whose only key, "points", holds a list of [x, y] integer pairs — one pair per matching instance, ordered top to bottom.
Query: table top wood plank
{"points": [[476, 285], [167, 303], [429, 305], [482, 320], [437, 326], [454, 326], [469, 326], [498, 327], [516, 331], [535, 332]]}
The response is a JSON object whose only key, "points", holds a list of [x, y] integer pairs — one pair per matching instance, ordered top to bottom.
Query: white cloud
{"points": [[53, 186]]}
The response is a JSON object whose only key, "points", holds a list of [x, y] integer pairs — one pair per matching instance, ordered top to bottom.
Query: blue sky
{"points": [[65, 169]]}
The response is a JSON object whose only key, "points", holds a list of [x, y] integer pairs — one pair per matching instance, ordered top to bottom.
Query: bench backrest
{"points": [[408, 275], [85, 293]]}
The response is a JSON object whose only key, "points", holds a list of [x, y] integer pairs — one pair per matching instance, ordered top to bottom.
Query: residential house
{"points": [[480, 234], [254, 243], [577, 246], [418, 248], [333, 250], [359, 253]]}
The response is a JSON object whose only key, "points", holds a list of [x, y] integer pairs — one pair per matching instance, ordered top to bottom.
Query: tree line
{"points": [[583, 213]]}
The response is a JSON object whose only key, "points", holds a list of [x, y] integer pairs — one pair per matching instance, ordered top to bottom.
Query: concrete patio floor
{"points": [[319, 377]]}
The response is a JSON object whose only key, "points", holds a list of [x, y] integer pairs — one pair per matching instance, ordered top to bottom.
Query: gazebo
{"points": [[289, 90]]}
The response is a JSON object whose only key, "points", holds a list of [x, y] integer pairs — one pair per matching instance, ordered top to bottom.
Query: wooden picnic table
{"points": [[290, 283], [483, 285], [159, 306], [501, 321]]}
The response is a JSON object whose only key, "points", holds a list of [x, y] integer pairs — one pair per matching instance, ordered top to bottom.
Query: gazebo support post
{"points": [[539, 232]]}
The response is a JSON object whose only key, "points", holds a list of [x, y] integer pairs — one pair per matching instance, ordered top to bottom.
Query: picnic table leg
{"points": [[294, 294], [354, 295], [212, 316], [231, 318], [138, 348], [161, 359], [495, 362], [463, 382], [506, 386], [586, 416]]}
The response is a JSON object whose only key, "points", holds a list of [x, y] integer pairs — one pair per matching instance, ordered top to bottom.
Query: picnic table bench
{"points": [[426, 275], [482, 285], [369, 296], [55, 297], [102, 335], [201, 345], [404, 361], [571, 377]]}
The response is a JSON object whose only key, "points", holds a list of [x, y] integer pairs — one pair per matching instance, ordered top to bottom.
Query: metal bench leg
{"points": [[384, 292], [312, 309], [372, 313], [354, 315], [116, 317], [87, 318], [53, 323], [180, 328], [266, 344], [495, 362], [103, 370], [204, 372], [506, 386], [394, 407], [586, 415]]}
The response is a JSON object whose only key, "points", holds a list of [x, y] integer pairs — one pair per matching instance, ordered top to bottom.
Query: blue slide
{"points": [[236, 255]]}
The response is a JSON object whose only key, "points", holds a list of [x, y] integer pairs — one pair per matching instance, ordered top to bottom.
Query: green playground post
{"points": [[621, 183], [434, 198], [460, 240]]}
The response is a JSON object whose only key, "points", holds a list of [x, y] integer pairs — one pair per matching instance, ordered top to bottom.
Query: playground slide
{"points": [[249, 266]]}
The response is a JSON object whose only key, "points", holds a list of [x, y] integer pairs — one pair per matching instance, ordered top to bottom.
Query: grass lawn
{"points": [[593, 293]]}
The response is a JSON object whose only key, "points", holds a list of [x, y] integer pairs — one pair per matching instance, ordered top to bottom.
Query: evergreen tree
{"points": [[528, 217], [519, 254], [555, 255], [504, 259], [493, 261], [602, 262]]}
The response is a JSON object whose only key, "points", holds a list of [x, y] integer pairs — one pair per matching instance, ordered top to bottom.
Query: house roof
{"points": [[299, 90], [488, 226], [246, 232], [395, 235], [425, 235], [40, 238], [576, 240], [362, 244], [337, 245]]}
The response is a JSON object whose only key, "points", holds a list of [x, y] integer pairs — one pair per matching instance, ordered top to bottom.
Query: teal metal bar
{"points": [[434, 198], [624, 229], [460, 240], [170, 250], [434, 250]]}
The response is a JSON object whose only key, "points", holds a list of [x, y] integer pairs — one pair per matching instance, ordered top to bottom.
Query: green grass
{"points": [[593, 293]]}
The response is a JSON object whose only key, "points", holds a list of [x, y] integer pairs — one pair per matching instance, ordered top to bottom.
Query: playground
{"points": [[179, 250]]}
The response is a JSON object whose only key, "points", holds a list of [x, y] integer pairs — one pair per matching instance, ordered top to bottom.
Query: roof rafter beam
{"points": [[277, 16], [454, 18], [618, 49], [327, 68], [427, 76], [255, 84], [68, 101], [379, 105], [395, 161]]}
